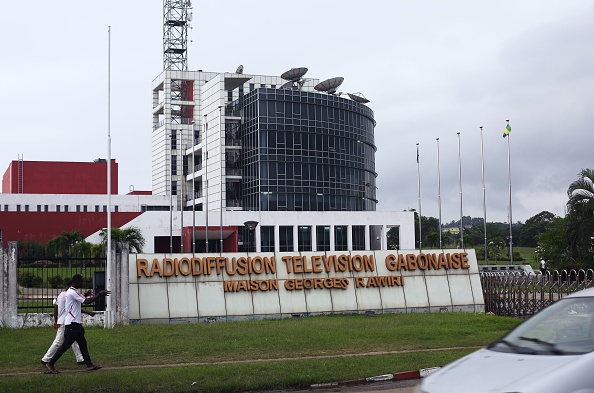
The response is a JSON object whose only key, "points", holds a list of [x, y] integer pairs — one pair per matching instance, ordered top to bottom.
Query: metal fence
{"points": [[41, 280], [519, 294]]}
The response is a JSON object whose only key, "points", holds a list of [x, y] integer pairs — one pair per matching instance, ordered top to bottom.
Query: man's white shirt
{"points": [[74, 301]]}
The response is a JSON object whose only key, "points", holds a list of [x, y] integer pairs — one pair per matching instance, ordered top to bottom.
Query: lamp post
{"points": [[250, 226]]}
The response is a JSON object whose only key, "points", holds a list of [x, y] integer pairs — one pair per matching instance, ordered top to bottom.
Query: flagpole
{"points": [[193, 139], [205, 155], [460, 176], [419, 188], [438, 194], [484, 198], [511, 253], [108, 322]]}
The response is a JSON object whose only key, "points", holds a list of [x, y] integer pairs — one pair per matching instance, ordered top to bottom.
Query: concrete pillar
{"points": [[332, 229], [349, 237], [367, 237], [276, 238], [295, 238], [257, 239], [111, 271], [8, 282], [3, 284], [124, 295]]}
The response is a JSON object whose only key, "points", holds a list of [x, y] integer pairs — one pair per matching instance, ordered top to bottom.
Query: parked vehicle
{"points": [[43, 263], [552, 352]]}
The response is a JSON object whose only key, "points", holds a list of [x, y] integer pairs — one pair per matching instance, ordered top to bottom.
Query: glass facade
{"points": [[306, 151]]}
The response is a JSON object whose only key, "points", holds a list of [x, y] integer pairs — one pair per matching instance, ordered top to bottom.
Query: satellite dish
{"points": [[239, 69], [294, 74], [288, 85], [329, 85], [358, 97]]}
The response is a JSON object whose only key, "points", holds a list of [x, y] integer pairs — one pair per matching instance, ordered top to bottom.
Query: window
{"points": [[173, 139], [173, 165], [174, 187], [5, 208], [18, 208], [26, 208], [38, 208], [45, 208], [57, 208], [66, 208], [77, 208], [85, 208], [97, 208], [104, 208], [117, 208], [358, 237], [285, 238], [304, 238], [323, 238], [340, 238], [267, 239]]}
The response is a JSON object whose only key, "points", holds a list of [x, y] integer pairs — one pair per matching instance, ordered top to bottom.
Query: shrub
{"points": [[29, 279], [57, 282]]}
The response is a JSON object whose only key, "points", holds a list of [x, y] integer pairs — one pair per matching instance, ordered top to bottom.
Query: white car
{"points": [[552, 352]]}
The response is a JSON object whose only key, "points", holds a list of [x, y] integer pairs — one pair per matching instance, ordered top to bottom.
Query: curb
{"points": [[399, 376]]}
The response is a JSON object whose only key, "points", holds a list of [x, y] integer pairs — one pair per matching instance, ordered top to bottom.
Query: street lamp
{"points": [[250, 226]]}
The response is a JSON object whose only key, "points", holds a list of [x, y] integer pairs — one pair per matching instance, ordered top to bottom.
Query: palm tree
{"points": [[581, 192], [580, 218], [131, 235], [63, 245]]}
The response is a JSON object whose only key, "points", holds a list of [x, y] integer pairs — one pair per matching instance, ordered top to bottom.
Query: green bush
{"points": [[29, 279], [57, 282]]}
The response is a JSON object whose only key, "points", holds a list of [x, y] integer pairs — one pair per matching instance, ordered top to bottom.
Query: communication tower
{"points": [[177, 15]]}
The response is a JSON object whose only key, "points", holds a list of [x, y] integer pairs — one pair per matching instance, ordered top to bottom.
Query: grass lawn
{"points": [[223, 357]]}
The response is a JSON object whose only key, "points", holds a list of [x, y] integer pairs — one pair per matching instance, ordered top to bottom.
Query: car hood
{"points": [[486, 371]]}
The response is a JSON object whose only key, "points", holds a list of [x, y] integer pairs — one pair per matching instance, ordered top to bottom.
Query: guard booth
{"points": [[98, 286]]}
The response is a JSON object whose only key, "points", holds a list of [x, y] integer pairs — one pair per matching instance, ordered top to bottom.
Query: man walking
{"points": [[543, 267], [59, 316], [73, 330]]}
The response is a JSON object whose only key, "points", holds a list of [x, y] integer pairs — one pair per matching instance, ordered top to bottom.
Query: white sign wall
{"points": [[167, 288]]}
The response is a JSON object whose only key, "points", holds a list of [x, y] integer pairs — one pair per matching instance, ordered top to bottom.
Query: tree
{"points": [[581, 192], [580, 218], [533, 227], [132, 236], [64, 245], [552, 245]]}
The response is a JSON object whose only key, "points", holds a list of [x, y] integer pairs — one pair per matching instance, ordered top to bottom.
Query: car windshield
{"points": [[564, 328]]}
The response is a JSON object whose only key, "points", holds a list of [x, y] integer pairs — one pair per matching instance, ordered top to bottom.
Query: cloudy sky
{"points": [[430, 68]]}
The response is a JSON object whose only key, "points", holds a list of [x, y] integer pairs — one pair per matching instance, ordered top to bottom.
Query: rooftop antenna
{"points": [[176, 19], [294, 78], [329, 85], [358, 97]]}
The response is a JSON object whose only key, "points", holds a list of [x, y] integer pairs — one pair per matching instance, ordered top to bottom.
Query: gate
{"points": [[41, 280], [519, 294]]}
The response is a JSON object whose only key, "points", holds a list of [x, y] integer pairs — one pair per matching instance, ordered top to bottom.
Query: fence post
{"points": [[9, 286]]}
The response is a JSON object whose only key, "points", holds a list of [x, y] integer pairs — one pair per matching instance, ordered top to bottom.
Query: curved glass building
{"points": [[305, 151]]}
